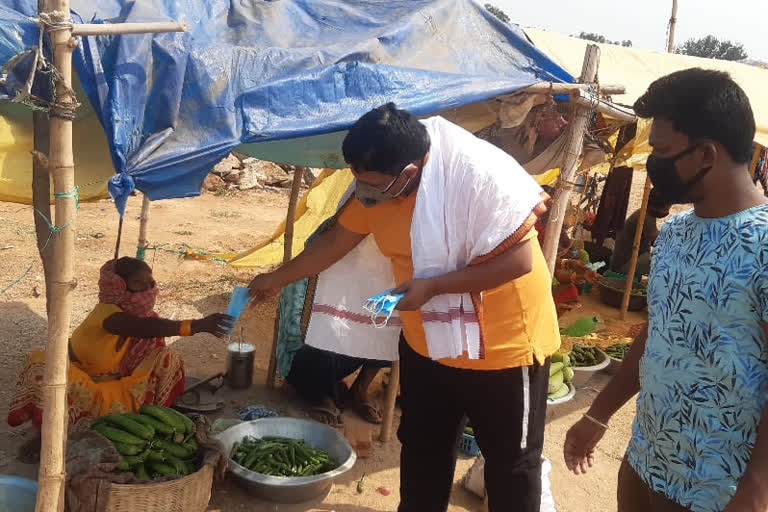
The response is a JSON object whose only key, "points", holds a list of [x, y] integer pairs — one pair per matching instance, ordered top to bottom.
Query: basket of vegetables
{"points": [[612, 293], [616, 354], [586, 361], [560, 376], [467, 442], [159, 447], [286, 460]]}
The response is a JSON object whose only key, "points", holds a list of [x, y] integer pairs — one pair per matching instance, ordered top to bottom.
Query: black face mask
{"points": [[663, 174]]}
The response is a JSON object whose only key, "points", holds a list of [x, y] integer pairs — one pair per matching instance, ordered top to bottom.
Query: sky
{"points": [[644, 22]]}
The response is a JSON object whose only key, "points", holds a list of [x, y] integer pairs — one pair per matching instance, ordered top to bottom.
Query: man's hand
{"points": [[263, 286], [417, 293], [218, 324], [580, 443]]}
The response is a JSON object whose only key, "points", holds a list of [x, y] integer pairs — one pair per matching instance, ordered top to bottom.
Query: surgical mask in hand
{"points": [[381, 306]]}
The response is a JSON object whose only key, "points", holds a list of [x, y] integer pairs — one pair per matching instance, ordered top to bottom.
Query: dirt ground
{"points": [[194, 288]]}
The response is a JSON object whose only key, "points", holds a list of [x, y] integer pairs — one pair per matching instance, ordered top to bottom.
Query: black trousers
{"points": [[316, 374], [507, 410]]}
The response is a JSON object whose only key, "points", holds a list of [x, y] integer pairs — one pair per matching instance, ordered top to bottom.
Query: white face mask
{"points": [[369, 196]]}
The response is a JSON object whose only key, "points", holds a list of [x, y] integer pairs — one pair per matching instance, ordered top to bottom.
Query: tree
{"points": [[497, 12], [597, 38], [711, 47]]}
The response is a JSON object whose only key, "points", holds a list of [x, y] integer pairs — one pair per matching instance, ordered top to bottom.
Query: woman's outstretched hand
{"points": [[218, 324]]}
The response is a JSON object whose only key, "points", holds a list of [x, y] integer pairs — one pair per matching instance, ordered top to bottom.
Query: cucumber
{"points": [[557, 357], [554, 368], [567, 374], [555, 382], [559, 393], [164, 415], [149, 421], [124, 422], [189, 425], [121, 436], [191, 445], [170, 448], [127, 449], [155, 456], [133, 460], [178, 464], [162, 469], [141, 472]]}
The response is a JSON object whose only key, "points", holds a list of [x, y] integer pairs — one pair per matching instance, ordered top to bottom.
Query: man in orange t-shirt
{"points": [[503, 389]]}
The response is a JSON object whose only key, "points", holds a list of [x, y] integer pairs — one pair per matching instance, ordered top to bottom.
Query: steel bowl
{"points": [[289, 489]]}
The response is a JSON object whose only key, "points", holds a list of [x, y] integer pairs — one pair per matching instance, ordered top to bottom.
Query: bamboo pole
{"points": [[672, 24], [107, 29], [560, 88], [585, 99], [578, 122], [646, 192], [143, 243], [635, 249], [287, 256], [389, 402], [51, 477], [50, 493]]}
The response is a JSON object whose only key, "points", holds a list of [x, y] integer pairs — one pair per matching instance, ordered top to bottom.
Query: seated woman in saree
{"points": [[118, 357]]}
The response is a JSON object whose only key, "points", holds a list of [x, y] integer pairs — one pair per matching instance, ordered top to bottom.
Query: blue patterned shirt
{"points": [[704, 374]]}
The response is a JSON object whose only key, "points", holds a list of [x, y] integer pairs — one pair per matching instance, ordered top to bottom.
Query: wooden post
{"points": [[672, 24], [578, 123], [646, 192], [41, 197], [141, 248], [635, 249], [287, 256], [389, 402], [51, 478], [50, 493]]}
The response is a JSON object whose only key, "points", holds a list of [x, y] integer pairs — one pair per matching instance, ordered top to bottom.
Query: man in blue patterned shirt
{"points": [[700, 435]]}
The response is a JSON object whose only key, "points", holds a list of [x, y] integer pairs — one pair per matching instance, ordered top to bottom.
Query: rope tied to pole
{"points": [[48, 22], [52, 230]]}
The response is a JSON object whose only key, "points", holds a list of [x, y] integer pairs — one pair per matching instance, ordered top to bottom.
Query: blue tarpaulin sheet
{"points": [[172, 105]]}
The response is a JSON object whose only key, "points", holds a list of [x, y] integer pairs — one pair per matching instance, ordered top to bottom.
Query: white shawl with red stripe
{"points": [[473, 199]]}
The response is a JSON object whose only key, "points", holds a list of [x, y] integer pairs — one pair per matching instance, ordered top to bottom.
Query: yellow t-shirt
{"points": [[519, 318], [94, 347]]}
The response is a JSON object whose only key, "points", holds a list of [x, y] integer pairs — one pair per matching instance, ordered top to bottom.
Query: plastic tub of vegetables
{"points": [[586, 361]]}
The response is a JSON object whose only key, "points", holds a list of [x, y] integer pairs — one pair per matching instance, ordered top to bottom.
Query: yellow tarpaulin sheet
{"points": [[635, 69], [93, 165], [319, 203]]}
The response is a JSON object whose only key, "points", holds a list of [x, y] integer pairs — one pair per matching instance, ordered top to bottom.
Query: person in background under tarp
{"points": [[613, 205], [455, 217], [625, 239], [118, 357], [699, 370], [317, 374]]}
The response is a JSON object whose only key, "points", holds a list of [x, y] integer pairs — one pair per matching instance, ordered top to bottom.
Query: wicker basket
{"points": [[189, 494]]}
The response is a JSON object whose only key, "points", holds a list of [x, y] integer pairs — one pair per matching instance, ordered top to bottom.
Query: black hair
{"points": [[703, 104], [385, 140], [126, 266]]}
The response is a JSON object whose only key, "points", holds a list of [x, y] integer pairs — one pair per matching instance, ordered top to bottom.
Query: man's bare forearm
{"points": [[324, 251], [624, 385]]}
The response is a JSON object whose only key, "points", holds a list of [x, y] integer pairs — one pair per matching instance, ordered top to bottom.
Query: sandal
{"points": [[369, 412], [326, 416]]}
